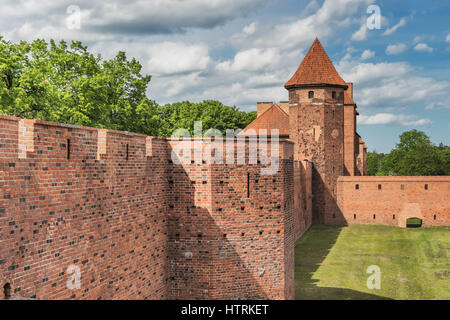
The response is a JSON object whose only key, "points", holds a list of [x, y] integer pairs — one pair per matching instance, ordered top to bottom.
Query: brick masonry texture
{"points": [[316, 127], [393, 200], [60, 206], [139, 226], [231, 230]]}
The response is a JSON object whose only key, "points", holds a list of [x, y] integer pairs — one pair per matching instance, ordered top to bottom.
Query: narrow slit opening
{"points": [[68, 149], [248, 185]]}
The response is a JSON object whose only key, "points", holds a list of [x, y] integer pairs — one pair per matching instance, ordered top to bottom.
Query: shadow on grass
{"points": [[310, 251]]}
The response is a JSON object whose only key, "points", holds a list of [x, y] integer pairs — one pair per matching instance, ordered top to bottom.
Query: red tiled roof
{"points": [[316, 69], [348, 99], [272, 118]]}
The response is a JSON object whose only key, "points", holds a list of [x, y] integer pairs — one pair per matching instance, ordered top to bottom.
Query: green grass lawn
{"points": [[331, 262]]}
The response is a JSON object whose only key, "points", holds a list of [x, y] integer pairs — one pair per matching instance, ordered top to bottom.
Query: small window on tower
{"points": [[311, 94], [333, 94]]}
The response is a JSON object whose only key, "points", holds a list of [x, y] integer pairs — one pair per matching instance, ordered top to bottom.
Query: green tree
{"points": [[57, 82], [62, 83], [212, 114], [444, 154], [414, 155], [374, 161]]}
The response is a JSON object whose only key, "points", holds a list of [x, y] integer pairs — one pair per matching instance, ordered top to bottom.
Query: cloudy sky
{"points": [[243, 51]]}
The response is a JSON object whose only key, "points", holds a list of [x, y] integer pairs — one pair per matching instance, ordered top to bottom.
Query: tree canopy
{"points": [[65, 83], [212, 114], [414, 155]]}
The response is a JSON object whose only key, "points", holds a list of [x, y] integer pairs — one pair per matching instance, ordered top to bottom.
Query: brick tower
{"points": [[316, 115]]}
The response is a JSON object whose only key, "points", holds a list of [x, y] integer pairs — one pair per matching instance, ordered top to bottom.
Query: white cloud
{"points": [[127, 17], [400, 24], [250, 29], [247, 31], [300, 33], [361, 34], [169, 37], [448, 38], [417, 39], [423, 47], [395, 48], [268, 51], [367, 54], [172, 58], [251, 60], [370, 73], [251, 75], [391, 85], [173, 86], [438, 105], [389, 118]]}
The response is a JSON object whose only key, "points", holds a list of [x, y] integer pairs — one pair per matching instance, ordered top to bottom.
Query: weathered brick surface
{"points": [[317, 130], [349, 140], [361, 160], [302, 197], [400, 198], [108, 216], [140, 226], [231, 230]]}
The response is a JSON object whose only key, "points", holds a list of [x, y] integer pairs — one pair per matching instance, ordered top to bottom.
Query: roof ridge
{"points": [[280, 109], [279, 120]]}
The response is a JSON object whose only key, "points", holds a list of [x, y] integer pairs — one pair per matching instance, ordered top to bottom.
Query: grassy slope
{"points": [[331, 262]]}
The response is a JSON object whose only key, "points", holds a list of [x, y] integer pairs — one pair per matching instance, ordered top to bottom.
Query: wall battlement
{"points": [[393, 200], [138, 225]]}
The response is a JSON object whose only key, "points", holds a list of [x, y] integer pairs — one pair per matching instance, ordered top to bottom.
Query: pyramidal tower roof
{"points": [[316, 69]]}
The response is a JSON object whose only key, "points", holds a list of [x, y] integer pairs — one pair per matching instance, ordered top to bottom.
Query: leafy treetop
{"points": [[65, 83]]}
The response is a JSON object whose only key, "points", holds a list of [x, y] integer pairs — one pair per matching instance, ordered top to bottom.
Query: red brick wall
{"points": [[317, 129], [349, 140], [361, 160], [302, 197], [398, 199], [107, 216], [137, 225], [231, 231]]}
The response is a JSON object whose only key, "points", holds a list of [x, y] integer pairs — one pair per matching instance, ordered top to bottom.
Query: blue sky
{"points": [[241, 52]]}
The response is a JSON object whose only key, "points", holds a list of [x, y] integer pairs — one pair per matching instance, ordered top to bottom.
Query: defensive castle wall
{"points": [[393, 200], [119, 213]]}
